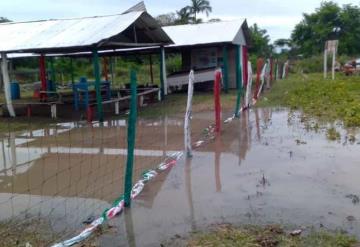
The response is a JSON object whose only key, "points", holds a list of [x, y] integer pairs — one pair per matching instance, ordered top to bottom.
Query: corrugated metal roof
{"points": [[138, 7], [81, 33], [207, 33]]}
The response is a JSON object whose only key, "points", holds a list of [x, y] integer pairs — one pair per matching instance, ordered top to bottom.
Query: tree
{"points": [[199, 6], [184, 15], [4, 19], [166, 19], [330, 21], [259, 41]]}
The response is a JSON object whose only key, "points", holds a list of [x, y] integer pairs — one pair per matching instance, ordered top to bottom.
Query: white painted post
{"points": [[325, 63], [285, 67], [267, 74], [263, 75], [6, 81], [249, 85], [141, 101], [117, 108], [53, 111], [187, 126]]}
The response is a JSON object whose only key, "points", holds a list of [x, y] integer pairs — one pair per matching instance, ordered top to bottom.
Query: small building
{"points": [[88, 35], [205, 47]]}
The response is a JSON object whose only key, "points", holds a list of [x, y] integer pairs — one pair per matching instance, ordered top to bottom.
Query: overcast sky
{"points": [[277, 16]]}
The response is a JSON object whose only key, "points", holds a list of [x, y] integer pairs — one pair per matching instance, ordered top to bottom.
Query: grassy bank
{"points": [[325, 99], [270, 236]]}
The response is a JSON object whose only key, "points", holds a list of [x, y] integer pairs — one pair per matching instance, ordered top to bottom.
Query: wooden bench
{"points": [[117, 101]]}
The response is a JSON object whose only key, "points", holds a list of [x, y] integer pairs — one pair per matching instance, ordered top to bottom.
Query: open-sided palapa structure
{"points": [[133, 28]]}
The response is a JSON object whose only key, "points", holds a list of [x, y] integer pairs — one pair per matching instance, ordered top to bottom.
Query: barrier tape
{"points": [[119, 204]]}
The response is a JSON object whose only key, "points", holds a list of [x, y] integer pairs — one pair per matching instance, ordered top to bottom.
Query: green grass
{"points": [[325, 99], [270, 236]]}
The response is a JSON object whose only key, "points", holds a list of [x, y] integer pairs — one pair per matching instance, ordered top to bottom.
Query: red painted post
{"points": [[259, 66], [245, 67], [42, 76], [217, 89], [90, 114]]}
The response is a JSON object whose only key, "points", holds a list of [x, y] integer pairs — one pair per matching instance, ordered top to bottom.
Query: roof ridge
{"points": [[66, 19], [208, 23]]}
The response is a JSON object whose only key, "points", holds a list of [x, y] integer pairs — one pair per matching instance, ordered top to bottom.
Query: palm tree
{"points": [[200, 6], [183, 15]]}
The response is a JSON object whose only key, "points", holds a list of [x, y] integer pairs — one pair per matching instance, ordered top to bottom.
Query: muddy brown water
{"points": [[265, 167]]}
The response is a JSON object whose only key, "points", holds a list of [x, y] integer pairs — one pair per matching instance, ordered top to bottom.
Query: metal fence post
{"points": [[131, 139]]}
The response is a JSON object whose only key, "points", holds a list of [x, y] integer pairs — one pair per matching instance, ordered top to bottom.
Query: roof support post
{"points": [[226, 69], [163, 78], [238, 79], [6, 81], [99, 104]]}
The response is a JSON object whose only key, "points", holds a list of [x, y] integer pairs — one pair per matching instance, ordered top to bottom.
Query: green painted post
{"points": [[226, 69], [238, 80], [162, 82], [98, 85], [131, 139]]}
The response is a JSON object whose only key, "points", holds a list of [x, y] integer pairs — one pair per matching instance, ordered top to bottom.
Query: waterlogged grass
{"points": [[325, 99], [176, 103], [270, 236]]}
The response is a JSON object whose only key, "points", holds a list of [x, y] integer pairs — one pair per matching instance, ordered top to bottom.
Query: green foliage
{"points": [[199, 6], [187, 14], [184, 16], [330, 21], [259, 42], [315, 64], [325, 99]]}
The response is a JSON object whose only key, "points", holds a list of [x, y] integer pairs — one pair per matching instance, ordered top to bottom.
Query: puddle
{"points": [[266, 167], [255, 173]]}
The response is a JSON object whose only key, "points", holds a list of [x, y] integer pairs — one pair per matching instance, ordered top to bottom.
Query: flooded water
{"points": [[266, 167]]}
